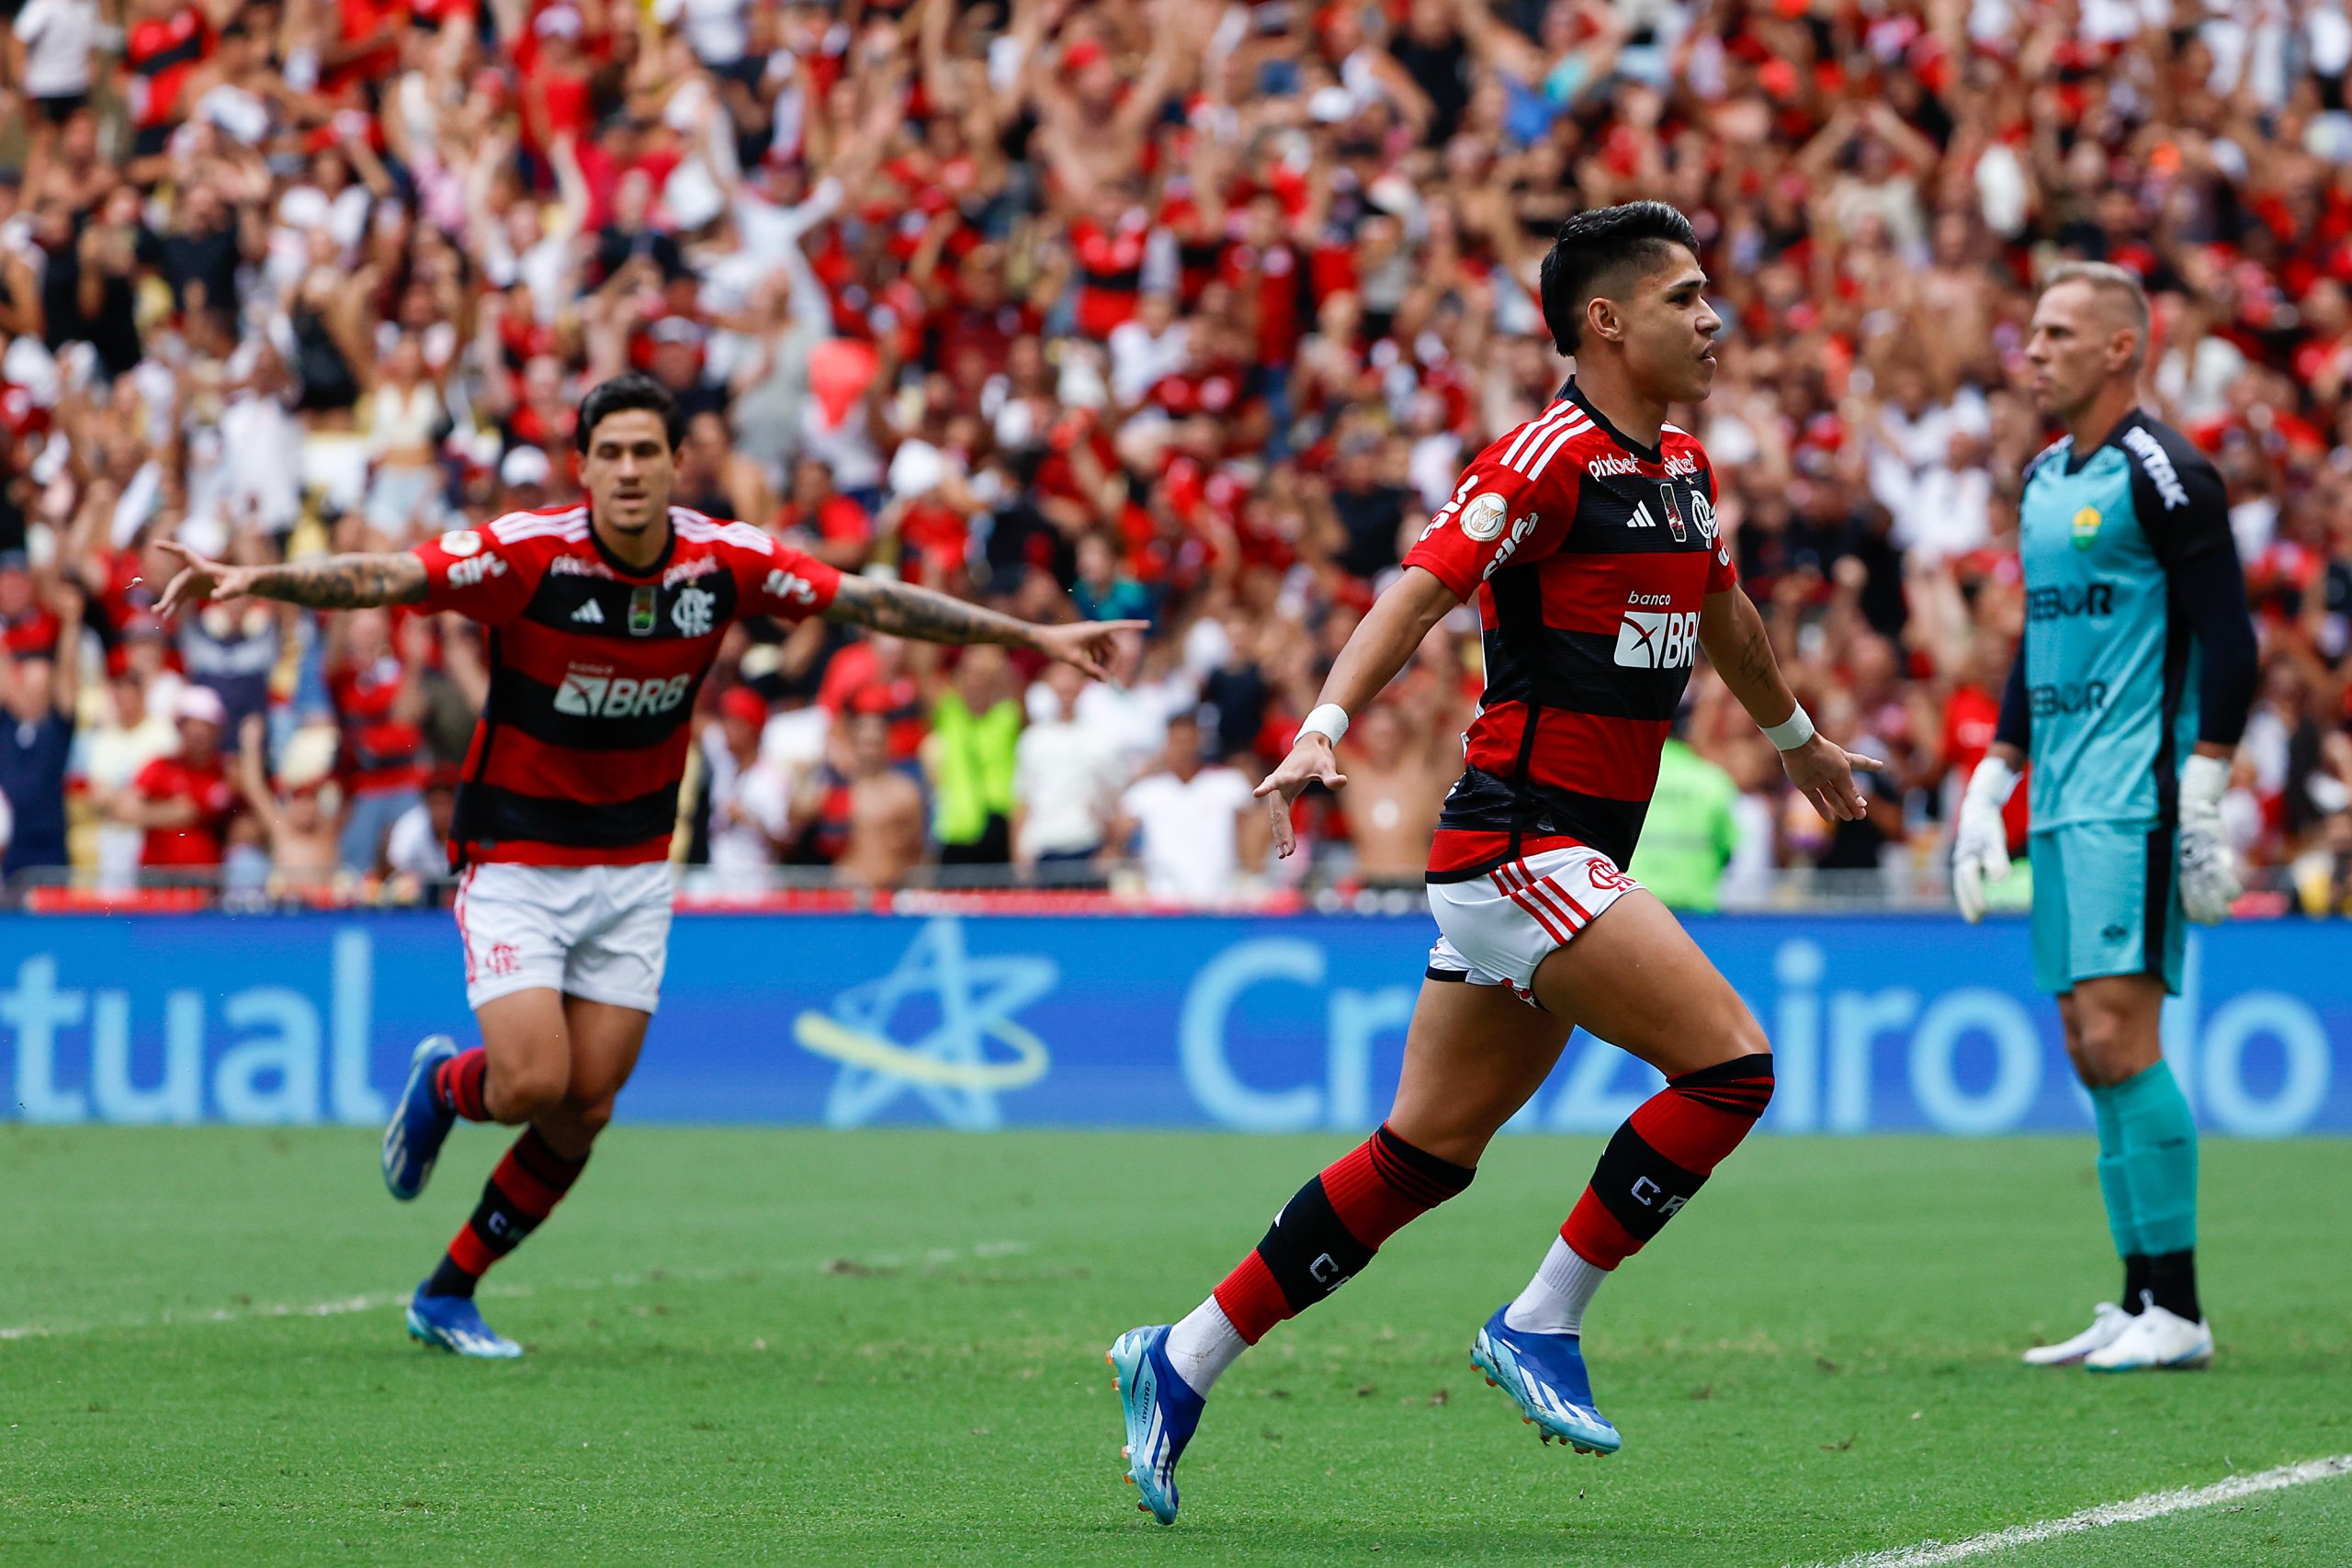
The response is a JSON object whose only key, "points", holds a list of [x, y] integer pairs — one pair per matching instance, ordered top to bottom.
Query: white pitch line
{"points": [[931, 1258], [2153, 1506]]}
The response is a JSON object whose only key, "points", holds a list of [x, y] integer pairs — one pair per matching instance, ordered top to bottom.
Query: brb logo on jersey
{"points": [[1656, 640], [587, 695]]}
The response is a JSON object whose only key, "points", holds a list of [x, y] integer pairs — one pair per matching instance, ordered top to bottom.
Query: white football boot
{"points": [[2108, 1324], [2154, 1339]]}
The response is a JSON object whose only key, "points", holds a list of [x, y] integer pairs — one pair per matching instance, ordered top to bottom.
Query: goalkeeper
{"points": [[2128, 692]]}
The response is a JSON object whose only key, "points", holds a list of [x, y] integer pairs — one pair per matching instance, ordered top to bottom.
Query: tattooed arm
{"points": [[336, 582], [900, 609], [1733, 633]]}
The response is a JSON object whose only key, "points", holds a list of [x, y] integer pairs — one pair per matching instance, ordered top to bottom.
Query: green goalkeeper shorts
{"points": [[2106, 901]]}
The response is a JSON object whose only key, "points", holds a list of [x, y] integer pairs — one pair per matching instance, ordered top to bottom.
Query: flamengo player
{"points": [[1586, 538], [604, 619]]}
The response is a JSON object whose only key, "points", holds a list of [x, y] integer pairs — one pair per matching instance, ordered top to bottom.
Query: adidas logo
{"points": [[588, 615]]}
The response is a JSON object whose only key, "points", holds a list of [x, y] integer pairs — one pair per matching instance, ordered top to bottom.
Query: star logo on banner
{"points": [[966, 1048]]}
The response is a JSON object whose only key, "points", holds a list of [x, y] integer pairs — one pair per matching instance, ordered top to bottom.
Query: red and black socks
{"points": [[458, 1084], [1663, 1155], [526, 1186], [1322, 1238]]}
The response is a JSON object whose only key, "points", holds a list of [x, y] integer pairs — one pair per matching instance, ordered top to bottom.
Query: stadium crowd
{"points": [[1171, 309]]}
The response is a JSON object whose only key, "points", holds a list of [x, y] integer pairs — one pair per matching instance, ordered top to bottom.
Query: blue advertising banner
{"points": [[1879, 1024]]}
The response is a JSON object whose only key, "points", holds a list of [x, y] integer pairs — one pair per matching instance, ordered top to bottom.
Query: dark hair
{"points": [[1598, 251], [631, 390]]}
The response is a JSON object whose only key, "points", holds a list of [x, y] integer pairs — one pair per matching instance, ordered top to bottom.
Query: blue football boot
{"points": [[413, 1138], [454, 1324], [1545, 1373], [1161, 1411]]}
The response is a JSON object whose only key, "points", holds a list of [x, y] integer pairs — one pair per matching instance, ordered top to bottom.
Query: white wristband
{"points": [[1329, 721], [1791, 732]]}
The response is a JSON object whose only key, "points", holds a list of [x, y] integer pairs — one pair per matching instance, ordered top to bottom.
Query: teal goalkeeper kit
{"points": [[2110, 674]]}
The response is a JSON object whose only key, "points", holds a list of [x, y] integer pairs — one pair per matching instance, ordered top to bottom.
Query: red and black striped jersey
{"points": [[1590, 556], [583, 740]]}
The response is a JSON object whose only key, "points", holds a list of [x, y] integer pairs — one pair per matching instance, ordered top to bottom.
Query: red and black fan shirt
{"points": [[1590, 557], [583, 740]]}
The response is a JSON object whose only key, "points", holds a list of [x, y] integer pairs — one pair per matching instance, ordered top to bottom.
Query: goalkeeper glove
{"points": [[1980, 847], [2209, 878]]}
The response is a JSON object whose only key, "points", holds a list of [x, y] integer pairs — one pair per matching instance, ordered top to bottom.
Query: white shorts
{"points": [[1495, 930], [599, 932]]}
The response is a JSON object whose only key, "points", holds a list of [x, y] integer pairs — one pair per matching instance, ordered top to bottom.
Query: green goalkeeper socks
{"points": [[2159, 1153], [2112, 1183]]}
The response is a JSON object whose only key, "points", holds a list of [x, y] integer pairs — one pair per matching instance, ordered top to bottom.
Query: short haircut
{"points": [[1602, 250], [2117, 284], [630, 390]]}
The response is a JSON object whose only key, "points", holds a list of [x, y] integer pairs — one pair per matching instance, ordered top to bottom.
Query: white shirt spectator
{"points": [[714, 29], [58, 36], [1139, 361], [1949, 511], [1135, 717], [107, 757], [1066, 774], [748, 811], [1189, 832], [413, 849]]}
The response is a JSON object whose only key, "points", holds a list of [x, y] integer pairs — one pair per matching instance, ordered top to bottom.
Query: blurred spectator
{"points": [[39, 688], [379, 701], [975, 732], [129, 734], [1067, 778], [1396, 784], [750, 795], [182, 801], [880, 808], [1187, 820], [294, 827], [1691, 831], [418, 848]]}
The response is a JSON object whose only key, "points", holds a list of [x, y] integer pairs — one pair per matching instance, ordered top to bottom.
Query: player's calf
{"points": [[522, 1191], [1323, 1237]]}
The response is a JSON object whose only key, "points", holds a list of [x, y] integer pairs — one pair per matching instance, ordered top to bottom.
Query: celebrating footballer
{"points": [[1586, 538], [603, 619]]}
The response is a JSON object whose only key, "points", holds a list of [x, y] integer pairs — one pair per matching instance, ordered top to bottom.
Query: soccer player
{"points": [[1586, 538], [603, 617], [2128, 692]]}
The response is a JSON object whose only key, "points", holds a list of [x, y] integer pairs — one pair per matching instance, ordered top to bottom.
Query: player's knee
{"points": [[1735, 1033], [1745, 1036], [2101, 1045], [524, 1093]]}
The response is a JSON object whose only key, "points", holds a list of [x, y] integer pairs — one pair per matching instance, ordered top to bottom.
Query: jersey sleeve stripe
{"points": [[1528, 432], [1560, 439], [518, 525], [700, 530]]}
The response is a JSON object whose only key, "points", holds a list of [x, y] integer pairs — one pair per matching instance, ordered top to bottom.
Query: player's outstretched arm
{"points": [[335, 582], [903, 610], [1733, 633], [1375, 650]]}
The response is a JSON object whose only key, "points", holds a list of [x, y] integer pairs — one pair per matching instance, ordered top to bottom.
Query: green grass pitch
{"points": [[810, 1347]]}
